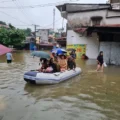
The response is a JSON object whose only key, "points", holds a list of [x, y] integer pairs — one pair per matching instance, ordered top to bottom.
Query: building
{"points": [[5, 26], [92, 28], [43, 35], [61, 41], [29, 43]]}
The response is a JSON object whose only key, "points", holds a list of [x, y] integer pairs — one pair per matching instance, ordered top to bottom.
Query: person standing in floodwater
{"points": [[9, 57], [100, 62]]}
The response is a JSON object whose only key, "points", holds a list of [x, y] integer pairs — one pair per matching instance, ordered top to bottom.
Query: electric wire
{"points": [[37, 6]]}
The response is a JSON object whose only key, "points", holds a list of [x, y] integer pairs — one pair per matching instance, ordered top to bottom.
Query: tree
{"points": [[11, 26], [27, 32], [10, 36]]}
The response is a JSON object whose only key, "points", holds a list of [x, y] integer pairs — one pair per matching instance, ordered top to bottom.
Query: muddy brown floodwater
{"points": [[89, 96]]}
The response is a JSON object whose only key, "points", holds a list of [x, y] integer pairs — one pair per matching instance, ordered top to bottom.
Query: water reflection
{"points": [[89, 96]]}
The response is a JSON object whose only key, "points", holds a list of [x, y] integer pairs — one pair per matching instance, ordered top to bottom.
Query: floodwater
{"points": [[89, 96]]}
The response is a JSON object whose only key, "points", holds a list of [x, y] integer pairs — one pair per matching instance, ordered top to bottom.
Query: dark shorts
{"points": [[9, 61], [100, 64]]}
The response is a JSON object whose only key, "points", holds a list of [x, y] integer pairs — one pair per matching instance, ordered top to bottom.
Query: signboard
{"points": [[80, 49]]}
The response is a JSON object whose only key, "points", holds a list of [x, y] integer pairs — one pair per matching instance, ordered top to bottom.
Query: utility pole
{"points": [[53, 19], [35, 29], [62, 29]]}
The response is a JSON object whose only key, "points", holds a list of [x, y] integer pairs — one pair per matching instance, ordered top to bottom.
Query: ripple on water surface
{"points": [[89, 96]]}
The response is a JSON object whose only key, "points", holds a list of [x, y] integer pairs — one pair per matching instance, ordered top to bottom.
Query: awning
{"points": [[108, 25], [104, 29], [80, 30], [4, 50]]}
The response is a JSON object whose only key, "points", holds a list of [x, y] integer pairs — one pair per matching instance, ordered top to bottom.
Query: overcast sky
{"points": [[42, 16]]}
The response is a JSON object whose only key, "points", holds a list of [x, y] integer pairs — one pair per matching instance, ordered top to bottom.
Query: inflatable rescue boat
{"points": [[50, 78]]}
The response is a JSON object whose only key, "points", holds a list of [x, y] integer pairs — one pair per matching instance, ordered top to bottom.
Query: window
{"points": [[96, 20]]}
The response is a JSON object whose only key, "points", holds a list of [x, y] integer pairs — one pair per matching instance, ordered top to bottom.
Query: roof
{"points": [[73, 7], [6, 26], [113, 28], [104, 29], [62, 38]]}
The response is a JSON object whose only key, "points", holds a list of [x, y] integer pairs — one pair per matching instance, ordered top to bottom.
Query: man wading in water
{"points": [[9, 57]]}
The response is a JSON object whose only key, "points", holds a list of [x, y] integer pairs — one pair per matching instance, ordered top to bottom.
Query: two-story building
{"points": [[92, 28]]}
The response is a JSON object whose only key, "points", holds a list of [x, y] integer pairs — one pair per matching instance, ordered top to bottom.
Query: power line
{"points": [[5, 1], [41, 5], [21, 10], [25, 11], [13, 17], [53, 19], [51, 23], [23, 25]]}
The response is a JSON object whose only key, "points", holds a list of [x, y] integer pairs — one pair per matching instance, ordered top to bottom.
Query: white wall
{"points": [[84, 18], [43, 34], [92, 44], [111, 52]]}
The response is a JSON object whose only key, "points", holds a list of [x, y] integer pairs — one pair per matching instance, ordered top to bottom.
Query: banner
{"points": [[80, 49]]}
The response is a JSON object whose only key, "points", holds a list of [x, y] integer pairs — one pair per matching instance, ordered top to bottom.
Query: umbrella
{"points": [[4, 49], [59, 51], [41, 54]]}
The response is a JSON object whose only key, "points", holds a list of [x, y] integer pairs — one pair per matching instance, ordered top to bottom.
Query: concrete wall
{"points": [[84, 18], [43, 34], [92, 43], [111, 52]]}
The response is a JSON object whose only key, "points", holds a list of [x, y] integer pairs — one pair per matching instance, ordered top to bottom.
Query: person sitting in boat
{"points": [[73, 54], [54, 56], [84, 57], [62, 62], [71, 63], [57, 64], [44, 65], [52, 67]]}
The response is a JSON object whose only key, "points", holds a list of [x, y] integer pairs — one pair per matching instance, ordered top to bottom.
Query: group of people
{"points": [[62, 62], [58, 63]]}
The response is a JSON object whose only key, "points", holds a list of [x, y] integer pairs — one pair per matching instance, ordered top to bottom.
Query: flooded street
{"points": [[89, 96]]}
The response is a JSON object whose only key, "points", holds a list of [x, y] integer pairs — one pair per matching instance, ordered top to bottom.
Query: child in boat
{"points": [[62, 62], [71, 63], [44, 65], [52, 67]]}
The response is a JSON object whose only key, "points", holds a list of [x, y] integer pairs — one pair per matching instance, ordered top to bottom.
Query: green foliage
{"points": [[11, 26], [27, 32], [10, 36]]}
